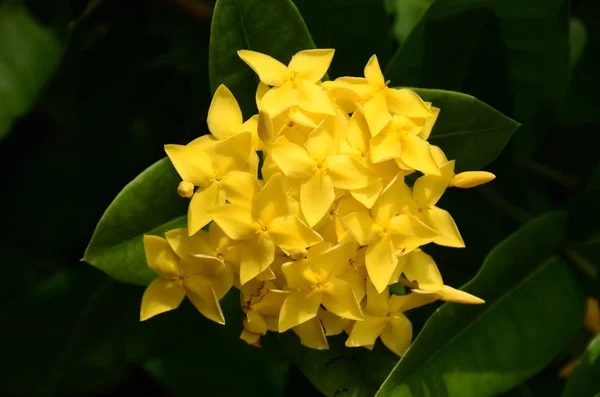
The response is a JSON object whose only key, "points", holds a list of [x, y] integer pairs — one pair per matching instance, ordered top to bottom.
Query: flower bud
{"points": [[472, 178], [185, 189]]}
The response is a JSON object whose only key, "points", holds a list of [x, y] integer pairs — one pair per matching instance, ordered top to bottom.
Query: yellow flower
{"points": [[295, 84], [379, 101], [399, 140], [219, 169], [321, 169], [463, 180], [426, 192], [264, 224], [331, 227], [387, 234], [422, 270], [184, 271], [316, 280], [261, 302], [384, 318], [311, 334]]}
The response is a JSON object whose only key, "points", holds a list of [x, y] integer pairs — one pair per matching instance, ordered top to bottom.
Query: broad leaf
{"points": [[272, 27], [356, 29], [29, 55], [468, 130], [147, 205], [533, 307], [585, 380]]}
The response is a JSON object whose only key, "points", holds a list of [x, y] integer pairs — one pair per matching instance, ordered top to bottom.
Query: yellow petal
{"points": [[311, 65], [269, 70], [373, 72], [261, 90], [279, 99], [315, 99], [407, 103], [376, 113], [224, 114], [304, 118], [429, 123], [265, 129], [357, 133], [322, 142], [386, 146], [232, 154], [416, 154], [438, 155], [293, 160], [193, 163], [348, 173], [472, 178], [240, 187], [428, 190], [395, 195], [316, 196], [367, 196], [204, 200], [271, 201], [235, 220], [441, 221], [362, 227], [408, 232], [290, 234], [217, 239], [257, 255], [160, 257], [193, 261], [334, 261], [381, 262], [421, 268], [299, 274], [357, 278], [222, 281], [201, 293], [159, 297], [339, 299], [377, 303], [402, 303], [270, 304], [298, 307], [255, 323], [333, 325], [365, 333], [311, 334], [397, 334], [250, 338]]}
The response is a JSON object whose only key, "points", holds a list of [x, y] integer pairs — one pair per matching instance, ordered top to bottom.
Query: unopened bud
{"points": [[472, 178], [185, 189], [450, 294]]}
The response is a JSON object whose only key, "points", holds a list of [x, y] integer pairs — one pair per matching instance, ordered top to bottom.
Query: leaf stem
{"points": [[549, 173], [580, 262]]}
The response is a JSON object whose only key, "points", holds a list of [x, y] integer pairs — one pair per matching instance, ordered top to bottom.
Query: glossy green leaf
{"points": [[272, 27], [356, 29], [29, 55], [468, 130], [147, 205], [534, 305], [333, 371], [585, 379]]}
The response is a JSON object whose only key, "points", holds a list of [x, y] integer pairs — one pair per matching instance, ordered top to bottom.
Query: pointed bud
{"points": [[472, 178], [185, 189], [450, 294]]}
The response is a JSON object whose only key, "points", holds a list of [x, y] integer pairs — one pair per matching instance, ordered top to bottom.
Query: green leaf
{"points": [[333, 24], [272, 27], [438, 40], [29, 55], [468, 130], [147, 205], [534, 305], [332, 371], [585, 380]]}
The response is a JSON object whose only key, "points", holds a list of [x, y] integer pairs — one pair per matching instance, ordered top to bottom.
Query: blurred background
{"points": [[91, 90]]}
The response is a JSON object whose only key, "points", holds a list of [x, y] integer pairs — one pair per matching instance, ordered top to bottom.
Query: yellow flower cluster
{"points": [[315, 243]]}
